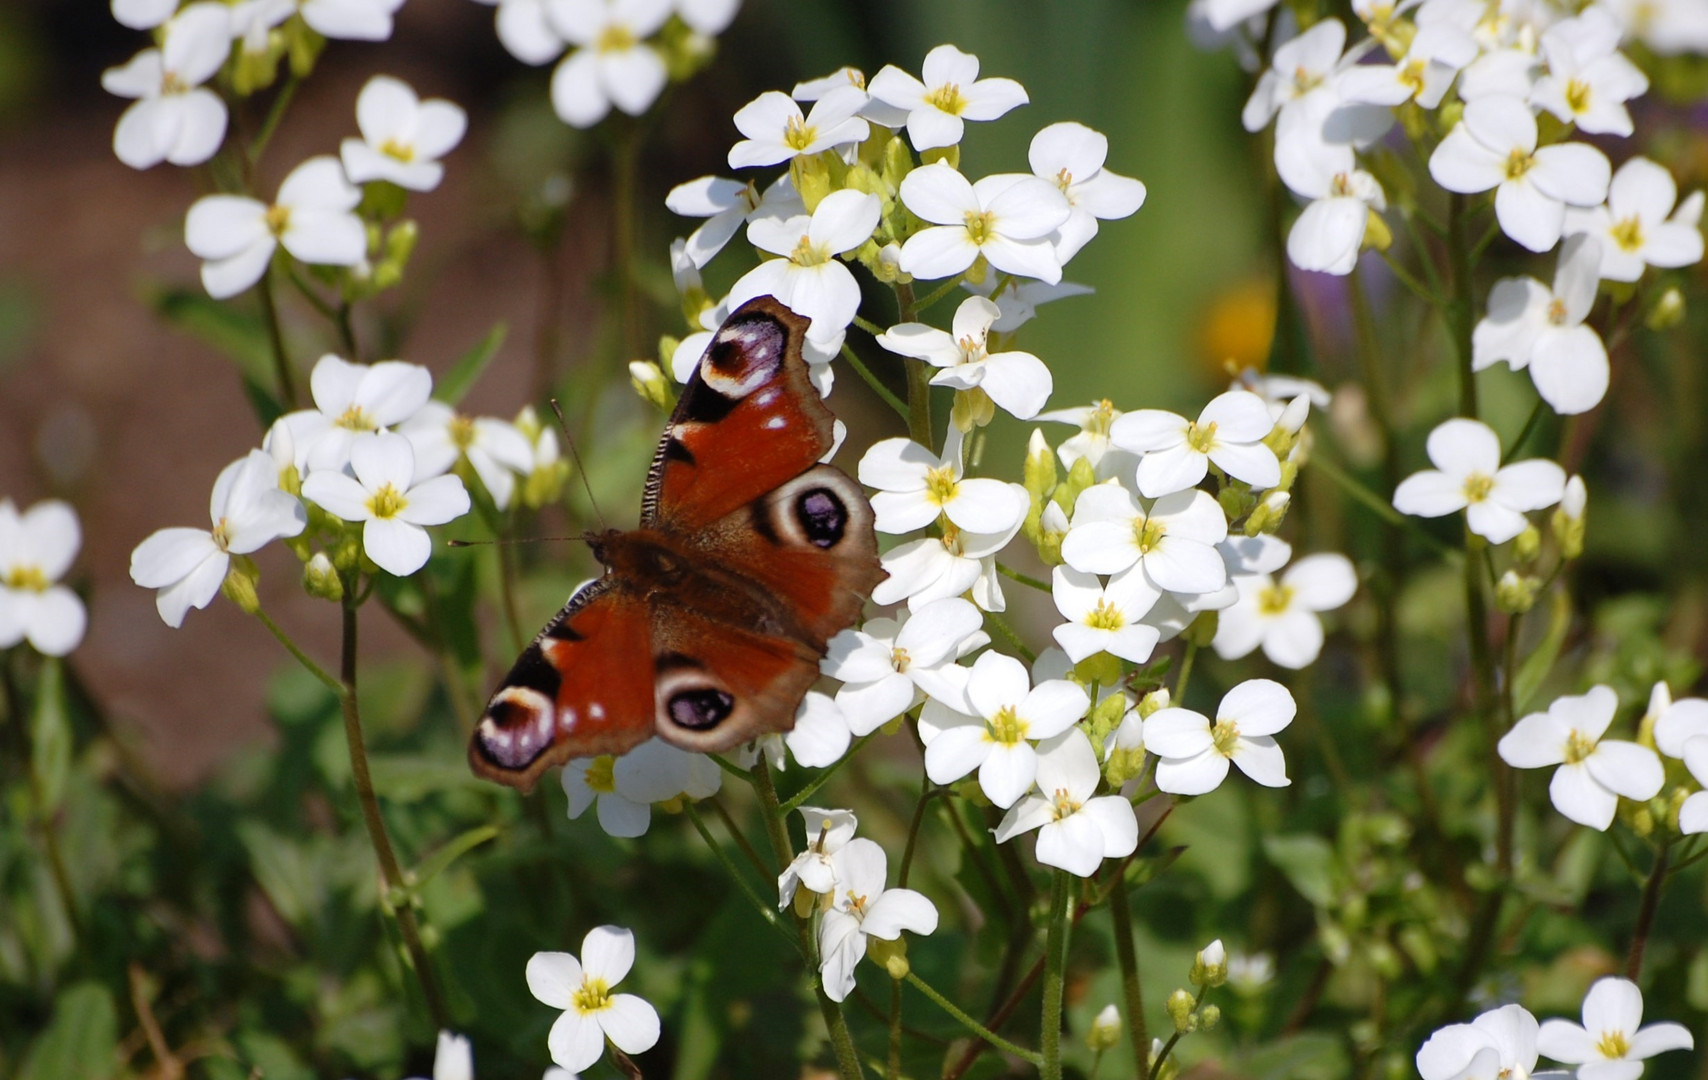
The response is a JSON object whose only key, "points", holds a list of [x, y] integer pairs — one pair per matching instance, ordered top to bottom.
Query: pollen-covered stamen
{"points": [[615, 38], [1411, 76], [1305, 80], [170, 83], [1577, 95], [948, 98], [798, 134], [398, 151], [1518, 162], [1064, 179], [1341, 186], [277, 219], [981, 226], [1628, 234], [807, 253], [1557, 312], [972, 348], [1102, 415], [356, 418], [461, 430], [1201, 438], [940, 484], [1477, 487], [387, 502], [222, 534], [1147, 534], [26, 579], [1274, 600], [1105, 616], [900, 660], [1006, 727], [1224, 735], [1578, 747], [601, 774], [1063, 805], [857, 904], [592, 995], [1613, 1045]]}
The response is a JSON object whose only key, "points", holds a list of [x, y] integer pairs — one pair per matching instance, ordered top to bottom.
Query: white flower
{"points": [[143, 14], [1224, 15], [353, 20], [1666, 26], [525, 30], [1436, 54], [614, 65], [1303, 66], [1588, 79], [950, 92], [174, 118], [777, 130], [403, 137], [1494, 146], [1071, 156], [726, 204], [312, 216], [1008, 218], [1634, 226], [1328, 234], [809, 278], [1018, 300], [1529, 325], [1018, 382], [351, 399], [1092, 440], [495, 449], [1178, 452], [1468, 476], [915, 487], [383, 494], [1172, 540], [36, 549], [188, 565], [921, 571], [1282, 617], [1104, 618], [887, 665], [1007, 715], [1675, 722], [819, 738], [1193, 754], [1593, 772], [624, 788], [1693, 814], [1077, 829], [813, 869], [863, 908], [592, 1013], [1500, 1042], [1610, 1045], [453, 1058]]}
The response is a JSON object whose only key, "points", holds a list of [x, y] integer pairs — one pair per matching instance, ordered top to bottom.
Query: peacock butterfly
{"points": [[709, 623]]}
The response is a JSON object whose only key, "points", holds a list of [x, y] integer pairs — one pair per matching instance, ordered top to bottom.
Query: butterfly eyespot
{"points": [[744, 355], [822, 516], [701, 709], [517, 727]]}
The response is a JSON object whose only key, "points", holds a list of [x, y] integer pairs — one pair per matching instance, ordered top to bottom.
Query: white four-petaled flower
{"points": [[614, 65], [949, 93], [174, 118], [778, 131], [403, 137], [1071, 156], [312, 217], [1008, 218], [1638, 227], [809, 278], [1531, 326], [1018, 382], [350, 399], [495, 449], [1177, 452], [1468, 476], [382, 490], [1172, 540], [36, 549], [1282, 616], [1104, 617], [887, 665], [1193, 753], [1593, 772], [624, 788], [1077, 829], [828, 831], [862, 908], [591, 1012], [1499, 1043], [1610, 1044]]}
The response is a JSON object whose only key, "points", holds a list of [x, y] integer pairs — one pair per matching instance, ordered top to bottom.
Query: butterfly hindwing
{"points": [[748, 420], [584, 687]]}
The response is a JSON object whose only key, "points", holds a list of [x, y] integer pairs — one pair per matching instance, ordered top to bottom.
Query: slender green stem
{"points": [[275, 113], [1409, 280], [940, 292], [327, 310], [1460, 311], [868, 325], [347, 332], [276, 339], [871, 379], [918, 381], [1531, 423], [1381, 507], [1025, 579], [1006, 633], [301, 657], [1185, 676], [19, 722], [925, 793], [800, 797], [738, 836], [390, 871], [766, 913], [1646, 914], [1128, 958], [1055, 964], [1030, 1056], [892, 1067]]}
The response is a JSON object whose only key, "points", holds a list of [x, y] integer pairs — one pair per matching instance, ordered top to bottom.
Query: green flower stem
{"points": [[275, 113], [1410, 281], [941, 291], [1461, 310], [347, 332], [276, 340], [871, 379], [918, 379], [1531, 423], [1381, 507], [1024, 579], [1009, 637], [301, 657], [1185, 676], [17, 718], [926, 791], [798, 798], [736, 834], [390, 871], [766, 913], [1646, 914], [1127, 957], [1055, 963], [835, 1023], [1030, 1056], [892, 1067]]}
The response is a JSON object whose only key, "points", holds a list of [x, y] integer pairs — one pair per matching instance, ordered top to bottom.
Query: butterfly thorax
{"points": [[666, 572]]}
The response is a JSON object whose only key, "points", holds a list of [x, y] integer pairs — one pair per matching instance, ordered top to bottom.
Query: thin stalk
{"points": [[275, 113], [1409, 280], [943, 290], [1460, 310], [347, 332], [276, 340], [871, 379], [918, 380], [1530, 424], [1381, 507], [1024, 579], [1009, 637], [301, 657], [1180, 682], [19, 723], [801, 796], [913, 827], [737, 835], [390, 872], [766, 914], [1646, 914], [1128, 958], [1055, 963], [1032, 1057], [892, 1067]]}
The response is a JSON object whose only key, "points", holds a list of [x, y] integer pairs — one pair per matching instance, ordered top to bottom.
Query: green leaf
{"points": [[470, 365], [50, 751], [451, 852], [1308, 863], [81, 1041]]}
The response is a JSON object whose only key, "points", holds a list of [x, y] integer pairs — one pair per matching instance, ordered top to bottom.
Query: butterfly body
{"points": [[710, 620]]}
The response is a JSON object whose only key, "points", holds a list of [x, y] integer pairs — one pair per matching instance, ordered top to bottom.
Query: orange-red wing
{"points": [[749, 420], [721, 685], [584, 687]]}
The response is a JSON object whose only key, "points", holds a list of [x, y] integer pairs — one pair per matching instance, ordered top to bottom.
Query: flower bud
{"points": [[303, 45], [949, 155], [896, 164], [811, 176], [1377, 235], [887, 266], [1668, 311], [648, 380], [972, 409], [1294, 415], [1039, 474], [1568, 519], [1527, 544], [320, 579], [239, 584], [1514, 594], [1202, 630], [1101, 668], [1152, 702], [889, 955], [1210, 968], [1179, 1007], [1209, 1016], [1105, 1031], [1168, 1070]]}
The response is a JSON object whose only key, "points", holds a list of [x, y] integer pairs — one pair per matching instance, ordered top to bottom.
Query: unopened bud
{"points": [[948, 155], [1377, 235], [887, 266], [1668, 311], [648, 380], [972, 409], [1294, 415], [1039, 473], [1568, 519], [1527, 544], [320, 579], [239, 585], [1515, 594], [1202, 630], [1100, 668], [1154, 701], [890, 955], [1210, 968], [1179, 1006], [1209, 1016], [1105, 1032]]}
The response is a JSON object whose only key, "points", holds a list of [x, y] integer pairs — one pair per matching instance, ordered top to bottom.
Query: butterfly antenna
{"points": [[575, 456]]}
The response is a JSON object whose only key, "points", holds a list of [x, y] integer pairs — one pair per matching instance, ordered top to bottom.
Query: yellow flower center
{"points": [[616, 38], [1412, 76], [1305, 80], [170, 83], [1577, 95], [948, 98], [798, 134], [398, 151], [1518, 163], [1064, 179], [1341, 186], [278, 219], [981, 226], [1628, 233], [807, 253], [1557, 312], [972, 349], [1102, 415], [356, 418], [461, 430], [1201, 439], [940, 484], [1477, 487], [387, 502], [222, 534], [1148, 534], [25, 578], [1274, 600], [1105, 616], [899, 659], [1006, 727], [1223, 736], [1579, 747], [601, 774], [1063, 805], [857, 904], [591, 996], [1613, 1044]]}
